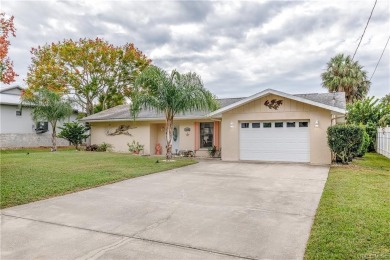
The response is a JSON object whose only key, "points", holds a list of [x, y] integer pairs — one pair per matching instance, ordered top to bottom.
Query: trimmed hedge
{"points": [[345, 141]]}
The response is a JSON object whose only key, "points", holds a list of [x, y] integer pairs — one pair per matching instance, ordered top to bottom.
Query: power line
{"points": [[361, 38], [380, 58]]}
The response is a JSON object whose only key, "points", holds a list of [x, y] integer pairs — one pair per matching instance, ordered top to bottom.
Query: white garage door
{"points": [[282, 141]]}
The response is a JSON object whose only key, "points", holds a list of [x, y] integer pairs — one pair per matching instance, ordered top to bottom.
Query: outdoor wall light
{"points": [[317, 123], [231, 124], [187, 130]]}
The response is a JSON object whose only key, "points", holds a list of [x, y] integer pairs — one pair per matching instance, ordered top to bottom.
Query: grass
{"points": [[42, 174], [353, 218]]}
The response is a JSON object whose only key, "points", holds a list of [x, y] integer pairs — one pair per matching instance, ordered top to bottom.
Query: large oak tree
{"points": [[89, 69]]}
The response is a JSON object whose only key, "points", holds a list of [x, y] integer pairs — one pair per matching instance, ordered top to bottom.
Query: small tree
{"points": [[386, 100], [48, 106], [368, 112], [385, 120], [74, 132]]}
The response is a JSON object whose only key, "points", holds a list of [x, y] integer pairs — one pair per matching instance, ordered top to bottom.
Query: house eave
{"points": [[145, 119]]}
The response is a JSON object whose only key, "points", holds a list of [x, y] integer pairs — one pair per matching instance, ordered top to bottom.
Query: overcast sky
{"points": [[238, 47]]}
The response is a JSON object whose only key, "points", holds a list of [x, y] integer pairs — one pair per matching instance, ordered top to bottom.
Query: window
{"points": [[278, 124], [290, 124], [303, 124], [244, 125], [255, 125], [267, 125], [206, 135]]}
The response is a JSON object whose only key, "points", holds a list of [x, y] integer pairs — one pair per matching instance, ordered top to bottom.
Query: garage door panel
{"points": [[290, 144], [297, 157]]}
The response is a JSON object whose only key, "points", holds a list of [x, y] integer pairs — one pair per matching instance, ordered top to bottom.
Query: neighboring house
{"points": [[268, 126], [18, 129]]}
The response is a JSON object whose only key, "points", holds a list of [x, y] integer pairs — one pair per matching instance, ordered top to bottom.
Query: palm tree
{"points": [[345, 75], [171, 94], [48, 106]]}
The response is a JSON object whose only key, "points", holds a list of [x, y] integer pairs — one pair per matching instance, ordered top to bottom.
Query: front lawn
{"points": [[31, 175], [353, 218]]}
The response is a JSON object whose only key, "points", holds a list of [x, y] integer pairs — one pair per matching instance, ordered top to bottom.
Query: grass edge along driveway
{"points": [[31, 175], [353, 217]]}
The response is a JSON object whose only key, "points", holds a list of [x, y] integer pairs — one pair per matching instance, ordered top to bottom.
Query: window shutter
{"points": [[216, 134], [197, 135]]}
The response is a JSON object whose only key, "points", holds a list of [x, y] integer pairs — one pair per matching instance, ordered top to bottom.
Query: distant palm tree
{"points": [[345, 75], [171, 94], [48, 106]]}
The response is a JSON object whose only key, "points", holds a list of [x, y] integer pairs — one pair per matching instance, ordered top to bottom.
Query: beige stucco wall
{"points": [[289, 110], [146, 133], [141, 134]]}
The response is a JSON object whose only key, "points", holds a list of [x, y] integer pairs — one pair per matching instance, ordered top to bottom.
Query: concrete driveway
{"points": [[211, 210]]}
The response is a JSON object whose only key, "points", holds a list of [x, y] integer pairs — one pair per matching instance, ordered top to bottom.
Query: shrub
{"points": [[371, 130], [74, 132], [345, 141], [365, 144], [104, 147], [135, 147], [91, 148], [98, 148]]}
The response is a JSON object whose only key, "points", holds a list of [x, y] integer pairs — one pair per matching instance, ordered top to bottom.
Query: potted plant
{"points": [[135, 147], [212, 151]]}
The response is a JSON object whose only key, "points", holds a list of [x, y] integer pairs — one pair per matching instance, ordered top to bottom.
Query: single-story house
{"points": [[268, 126], [17, 128]]}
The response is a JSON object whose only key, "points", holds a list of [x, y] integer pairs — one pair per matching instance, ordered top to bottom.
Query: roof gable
{"points": [[12, 90], [10, 95], [317, 100]]}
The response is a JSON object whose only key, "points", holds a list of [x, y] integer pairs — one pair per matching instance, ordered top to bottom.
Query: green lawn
{"points": [[42, 174], [353, 218]]}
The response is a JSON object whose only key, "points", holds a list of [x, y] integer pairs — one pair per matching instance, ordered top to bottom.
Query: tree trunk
{"points": [[89, 108], [169, 134], [53, 137]]}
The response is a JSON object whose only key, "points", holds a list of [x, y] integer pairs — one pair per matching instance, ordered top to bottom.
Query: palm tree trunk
{"points": [[169, 134], [53, 137]]}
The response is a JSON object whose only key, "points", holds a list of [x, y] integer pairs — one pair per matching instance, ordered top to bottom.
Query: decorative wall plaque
{"points": [[273, 104], [121, 130]]}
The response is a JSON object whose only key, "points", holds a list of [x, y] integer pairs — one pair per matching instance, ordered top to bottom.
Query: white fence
{"points": [[383, 141]]}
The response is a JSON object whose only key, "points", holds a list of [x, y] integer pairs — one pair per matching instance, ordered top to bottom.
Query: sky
{"points": [[239, 48]]}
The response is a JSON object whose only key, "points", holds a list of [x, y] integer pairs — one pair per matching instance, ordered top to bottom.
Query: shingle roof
{"points": [[336, 99], [122, 112]]}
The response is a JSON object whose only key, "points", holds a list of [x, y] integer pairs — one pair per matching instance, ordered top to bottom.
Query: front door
{"points": [[175, 141]]}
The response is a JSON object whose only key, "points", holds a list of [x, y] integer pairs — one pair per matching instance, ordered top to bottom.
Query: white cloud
{"points": [[238, 47]]}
